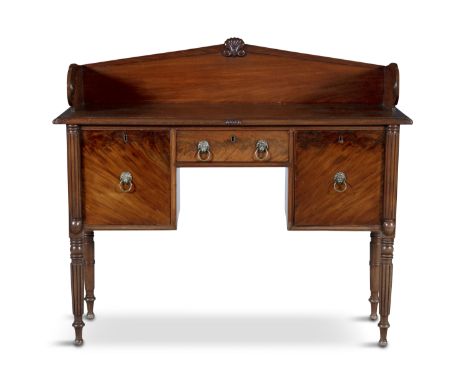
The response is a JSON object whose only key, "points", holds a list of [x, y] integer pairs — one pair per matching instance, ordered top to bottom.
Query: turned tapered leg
{"points": [[392, 133], [75, 229], [374, 265], [89, 273], [386, 274], [77, 284]]}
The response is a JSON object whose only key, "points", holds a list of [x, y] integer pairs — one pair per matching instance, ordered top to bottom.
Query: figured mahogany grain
{"points": [[205, 75], [233, 145], [105, 155], [319, 156]]}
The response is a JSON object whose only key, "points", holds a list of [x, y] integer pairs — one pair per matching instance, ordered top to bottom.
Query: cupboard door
{"points": [[126, 177], [338, 178]]}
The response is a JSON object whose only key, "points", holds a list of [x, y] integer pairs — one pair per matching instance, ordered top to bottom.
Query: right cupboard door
{"points": [[338, 178]]}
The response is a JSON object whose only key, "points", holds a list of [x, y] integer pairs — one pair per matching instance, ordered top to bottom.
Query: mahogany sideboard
{"points": [[331, 123]]}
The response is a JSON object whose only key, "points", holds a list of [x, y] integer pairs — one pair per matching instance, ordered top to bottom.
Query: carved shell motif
{"points": [[234, 47]]}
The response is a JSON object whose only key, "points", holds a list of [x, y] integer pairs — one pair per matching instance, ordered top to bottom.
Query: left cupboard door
{"points": [[127, 178]]}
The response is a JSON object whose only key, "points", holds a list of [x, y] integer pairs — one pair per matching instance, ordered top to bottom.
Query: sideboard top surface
{"points": [[232, 83], [236, 115]]}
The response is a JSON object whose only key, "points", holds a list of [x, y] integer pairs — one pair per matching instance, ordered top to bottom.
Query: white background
{"points": [[232, 295]]}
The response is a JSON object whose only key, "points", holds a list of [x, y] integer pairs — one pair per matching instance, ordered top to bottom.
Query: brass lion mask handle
{"points": [[203, 151], [262, 152], [126, 181], [339, 182]]}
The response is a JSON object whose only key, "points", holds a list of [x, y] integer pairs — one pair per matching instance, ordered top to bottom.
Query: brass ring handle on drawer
{"points": [[261, 150], [203, 151], [126, 181], [339, 182]]}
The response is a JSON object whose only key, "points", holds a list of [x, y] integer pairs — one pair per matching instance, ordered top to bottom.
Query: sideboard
{"points": [[332, 124]]}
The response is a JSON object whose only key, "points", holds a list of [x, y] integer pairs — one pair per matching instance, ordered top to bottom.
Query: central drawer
{"points": [[217, 146]]}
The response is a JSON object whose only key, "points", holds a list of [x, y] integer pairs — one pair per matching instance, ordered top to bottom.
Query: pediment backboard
{"points": [[233, 72]]}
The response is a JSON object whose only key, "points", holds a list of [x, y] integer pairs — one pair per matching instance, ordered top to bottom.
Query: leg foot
{"points": [[90, 306], [374, 317], [78, 325], [383, 335], [78, 342]]}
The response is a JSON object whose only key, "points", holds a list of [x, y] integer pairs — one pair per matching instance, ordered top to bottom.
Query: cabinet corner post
{"points": [[392, 133], [76, 231]]}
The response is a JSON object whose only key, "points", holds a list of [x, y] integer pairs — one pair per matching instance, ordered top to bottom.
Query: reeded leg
{"points": [[392, 134], [75, 229], [374, 265], [89, 273], [386, 273], [77, 284]]}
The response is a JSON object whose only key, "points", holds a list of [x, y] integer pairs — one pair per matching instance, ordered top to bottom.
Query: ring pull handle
{"points": [[261, 150], [203, 151], [126, 181], [339, 182]]}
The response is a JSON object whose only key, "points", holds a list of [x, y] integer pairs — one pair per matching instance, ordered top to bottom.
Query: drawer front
{"points": [[233, 146], [126, 177], [338, 178]]}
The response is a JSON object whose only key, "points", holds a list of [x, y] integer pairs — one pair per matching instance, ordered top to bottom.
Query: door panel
{"points": [[143, 154], [322, 200]]}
